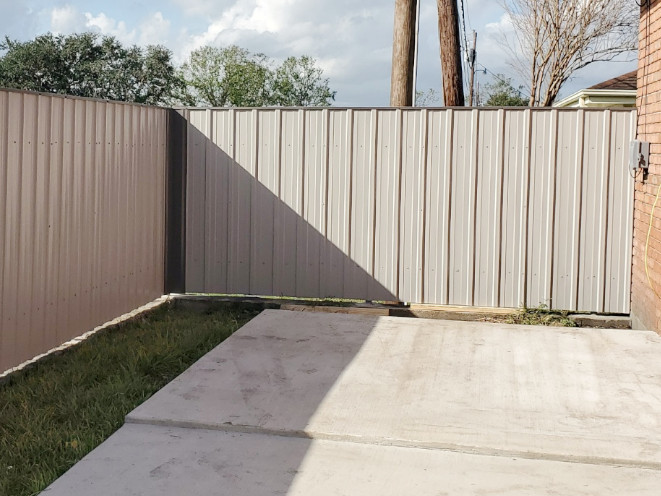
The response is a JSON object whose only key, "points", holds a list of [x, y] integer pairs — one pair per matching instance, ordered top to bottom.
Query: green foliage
{"points": [[87, 65], [220, 77], [235, 77], [299, 83], [502, 94], [53, 414]]}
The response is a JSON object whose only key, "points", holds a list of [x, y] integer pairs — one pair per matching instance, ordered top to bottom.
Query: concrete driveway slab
{"points": [[585, 395], [145, 460]]}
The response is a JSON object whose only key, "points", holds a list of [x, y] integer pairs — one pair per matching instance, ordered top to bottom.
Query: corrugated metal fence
{"points": [[481, 207], [486, 207], [82, 208]]}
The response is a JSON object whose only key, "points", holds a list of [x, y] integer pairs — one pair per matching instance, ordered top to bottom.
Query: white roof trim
{"points": [[587, 93]]}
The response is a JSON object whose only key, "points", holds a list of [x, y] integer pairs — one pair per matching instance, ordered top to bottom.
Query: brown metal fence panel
{"points": [[491, 207], [82, 217]]}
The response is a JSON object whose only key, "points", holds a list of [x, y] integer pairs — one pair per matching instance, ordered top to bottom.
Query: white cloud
{"points": [[201, 7], [66, 20], [103, 24], [503, 25], [154, 31]]}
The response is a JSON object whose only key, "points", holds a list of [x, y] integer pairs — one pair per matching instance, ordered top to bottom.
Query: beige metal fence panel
{"points": [[440, 131], [363, 160], [219, 164], [569, 176], [339, 191], [82, 199], [196, 201], [488, 201], [265, 202], [411, 205], [541, 205], [462, 207], [489, 207], [514, 208], [288, 209], [594, 209], [386, 210], [240, 212], [619, 222], [311, 240]]}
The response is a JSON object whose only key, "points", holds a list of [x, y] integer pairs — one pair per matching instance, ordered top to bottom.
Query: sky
{"points": [[351, 40]]}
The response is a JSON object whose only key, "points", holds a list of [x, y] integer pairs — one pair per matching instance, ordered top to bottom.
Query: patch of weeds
{"points": [[328, 302], [540, 316], [54, 413]]}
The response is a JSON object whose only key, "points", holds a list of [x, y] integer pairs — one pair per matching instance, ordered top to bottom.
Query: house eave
{"points": [[599, 98]]}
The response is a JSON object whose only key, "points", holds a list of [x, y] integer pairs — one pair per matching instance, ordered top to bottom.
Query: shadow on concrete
{"points": [[230, 231], [238, 421]]}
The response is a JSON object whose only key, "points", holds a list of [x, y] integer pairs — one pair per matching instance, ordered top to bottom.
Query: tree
{"points": [[553, 39], [89, 66], [221, 77], [235, 77], [299, 83], [502, 94], [429, 98]]}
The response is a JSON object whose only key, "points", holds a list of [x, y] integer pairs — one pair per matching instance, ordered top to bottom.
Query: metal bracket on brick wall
{"points": [[639, 155]]}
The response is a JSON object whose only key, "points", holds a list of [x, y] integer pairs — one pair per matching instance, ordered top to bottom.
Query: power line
{"points": [[468, 20], [463, 22], [464, 59], [496, 76]]}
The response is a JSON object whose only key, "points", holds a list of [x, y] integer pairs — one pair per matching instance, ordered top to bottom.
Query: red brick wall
{"points": [[645, 304]]}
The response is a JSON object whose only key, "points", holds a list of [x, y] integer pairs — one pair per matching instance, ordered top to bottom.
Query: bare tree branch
{"points": [[552, 39]]}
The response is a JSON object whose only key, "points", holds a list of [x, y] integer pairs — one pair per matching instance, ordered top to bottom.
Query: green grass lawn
{"points": [[54, 413]]}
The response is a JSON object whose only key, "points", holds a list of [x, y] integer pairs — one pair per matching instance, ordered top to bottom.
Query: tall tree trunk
{"points": [[448, 33], [403, 54]]}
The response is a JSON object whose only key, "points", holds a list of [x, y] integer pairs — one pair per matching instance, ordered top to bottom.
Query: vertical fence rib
{"points": [[449, 136], [375, 165], [553, 174], [501, 186], [423, 232], [472, 258], [523, 260], [576, 272], [603, 279]]}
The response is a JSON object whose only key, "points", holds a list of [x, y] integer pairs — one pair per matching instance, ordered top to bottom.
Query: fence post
{"points": [[175, 213]]}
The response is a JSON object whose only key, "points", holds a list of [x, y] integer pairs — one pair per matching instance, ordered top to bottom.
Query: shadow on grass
{"points": [[58, 410]]}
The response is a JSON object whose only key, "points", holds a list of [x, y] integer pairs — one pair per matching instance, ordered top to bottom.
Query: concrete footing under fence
{"points": [[394, 309], [302, 403]]}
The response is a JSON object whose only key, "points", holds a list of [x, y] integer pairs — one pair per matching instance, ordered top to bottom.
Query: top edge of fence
{"points": [[84, 98], [333, 108], [385, 108]]}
